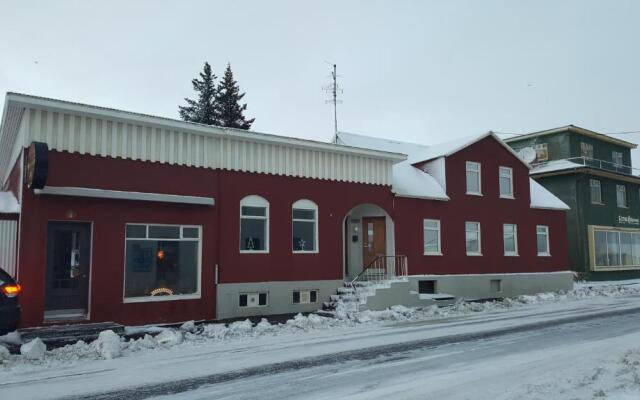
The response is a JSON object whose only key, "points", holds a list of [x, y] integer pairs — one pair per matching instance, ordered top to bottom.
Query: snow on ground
{"points": [[109, 345]]}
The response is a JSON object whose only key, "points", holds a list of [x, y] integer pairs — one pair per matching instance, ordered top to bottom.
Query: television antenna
{"points": [[333, 89]]}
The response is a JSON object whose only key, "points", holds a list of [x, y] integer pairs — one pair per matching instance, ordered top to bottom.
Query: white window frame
{"points": [[617, 154], [469, 168], [508, 170], [592, 186], [624, 192], [254, 201], [305, 204], [479, 231], [546, 233], [424, 237], [510, 253], [307, 291], [253, 293], [148, 299]]}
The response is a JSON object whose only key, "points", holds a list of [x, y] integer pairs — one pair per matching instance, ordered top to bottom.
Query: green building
{"points": [[592, 173]]}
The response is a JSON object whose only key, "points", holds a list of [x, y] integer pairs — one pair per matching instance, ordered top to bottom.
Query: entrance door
{"points": [[374, 238], [67, 277]]}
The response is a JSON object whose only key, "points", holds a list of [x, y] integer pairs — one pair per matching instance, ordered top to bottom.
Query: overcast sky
{"points": [[423, 71]]}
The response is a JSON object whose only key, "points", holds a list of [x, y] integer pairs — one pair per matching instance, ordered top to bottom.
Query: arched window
{"points": [[304, 215], [254, 225]]}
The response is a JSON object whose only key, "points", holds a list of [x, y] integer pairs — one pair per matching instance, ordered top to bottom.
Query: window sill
{"points": [[474, 194], [507, 197], [597, 204], [624, 207], [254, 251], [305, 252], [432, 254], [474, 254], [544, 254], [511, 255], [152, 299], [252, 307]]}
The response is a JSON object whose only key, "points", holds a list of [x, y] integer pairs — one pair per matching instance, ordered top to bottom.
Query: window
{"points": [[586, 150], [542, 152], [616, 156], [473, 178], [506, 182], [596, 191], [621, 196], [254, 225], [304, 226], [432, 237], [472, 237], [542, 238], [510, 239], [615, 248], [162, 262], [427, 287], [305, 296], [258, 299]]}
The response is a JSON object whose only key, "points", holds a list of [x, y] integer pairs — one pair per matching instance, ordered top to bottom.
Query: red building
{"points": [[139, 219]]}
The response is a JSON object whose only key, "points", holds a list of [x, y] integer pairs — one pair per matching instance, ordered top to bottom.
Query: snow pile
{"points": [[8, 203], [109, 345]]}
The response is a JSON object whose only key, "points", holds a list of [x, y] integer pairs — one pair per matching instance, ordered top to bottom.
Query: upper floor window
{"points": [[586, 150], [542, 152], [616, 156], [473, 178], [506, 182], [596, 191], [621, 196], [254, 225], [304, 227], [432, 237], [472, 238], [542, 238], [510, 239]]}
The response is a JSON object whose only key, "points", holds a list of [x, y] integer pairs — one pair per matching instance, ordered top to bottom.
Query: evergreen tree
{"points": [[202, 110], [229, 111]]}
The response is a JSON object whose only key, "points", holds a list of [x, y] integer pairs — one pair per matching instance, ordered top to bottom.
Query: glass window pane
{"points": [[473, 184], [505, 187], [249, 211], [304, 214], [431, 224], [136, 231], [164, 232], [190, 233], [253, 234], [542, 235], [304, 236], [626, 243], [431, 244], [601, 248], [613, 249], [636, 249], [160, 268], [296, 297], [262, 299], [242, 300]]}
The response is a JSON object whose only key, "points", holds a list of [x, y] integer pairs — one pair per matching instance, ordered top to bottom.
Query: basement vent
{"points": [[496, 285], [427, 287]]}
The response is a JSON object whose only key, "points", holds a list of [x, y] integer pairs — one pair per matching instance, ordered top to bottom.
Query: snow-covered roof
{"points": [[380, 144], [555, 165], [542, 198], [8, 203]]}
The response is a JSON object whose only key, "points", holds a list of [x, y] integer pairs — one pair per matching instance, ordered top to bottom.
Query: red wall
{"points": [[220, 224]]}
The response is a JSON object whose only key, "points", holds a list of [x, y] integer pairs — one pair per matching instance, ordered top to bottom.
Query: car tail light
{"points": [[11, 290]]}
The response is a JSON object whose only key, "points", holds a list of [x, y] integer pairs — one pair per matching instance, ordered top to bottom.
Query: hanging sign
{"points": [[37, 167]]}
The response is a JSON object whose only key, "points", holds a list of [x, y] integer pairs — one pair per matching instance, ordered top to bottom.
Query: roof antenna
{"points": [[334, 90]]}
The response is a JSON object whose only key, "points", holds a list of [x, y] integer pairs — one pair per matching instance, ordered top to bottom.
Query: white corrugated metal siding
{"points": [[115, 138], [8, 242]]}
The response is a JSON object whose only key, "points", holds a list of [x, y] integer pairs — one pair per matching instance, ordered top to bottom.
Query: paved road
{"points": [[454, 367]]}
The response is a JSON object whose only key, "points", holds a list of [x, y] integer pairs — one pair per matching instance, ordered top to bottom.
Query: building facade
{"points": [[592, 173], [139, 219]]}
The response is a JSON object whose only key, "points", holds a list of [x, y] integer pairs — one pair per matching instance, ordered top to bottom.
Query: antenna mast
{"points": [[333, 89]]}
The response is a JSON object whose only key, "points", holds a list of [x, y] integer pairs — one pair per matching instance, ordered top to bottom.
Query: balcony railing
{"points": [[596, 163]]}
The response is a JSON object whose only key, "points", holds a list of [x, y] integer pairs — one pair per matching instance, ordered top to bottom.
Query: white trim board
{"points": [[121, 195]]}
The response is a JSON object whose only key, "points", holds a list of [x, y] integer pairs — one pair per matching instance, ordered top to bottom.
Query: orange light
{"points": [[160, 254], [11, 290]]}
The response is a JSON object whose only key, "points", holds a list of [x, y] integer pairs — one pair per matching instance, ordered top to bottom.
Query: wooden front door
{"points": [[374, 239], [67, 277]]}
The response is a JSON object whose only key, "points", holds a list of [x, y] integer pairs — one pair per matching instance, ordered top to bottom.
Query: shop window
{"points": [[586, 150], [506, 182], [474, 184], [596, 191], [621, 196], [254, 225], [304, 226], [432, 237], [472, 238], [542, 238], [510, 239], [616, 248], [162, 262], [427, 287], [305, 296], [257, 299]]}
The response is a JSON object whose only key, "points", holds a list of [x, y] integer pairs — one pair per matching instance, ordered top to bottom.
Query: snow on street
{"points": [[545, 346]]}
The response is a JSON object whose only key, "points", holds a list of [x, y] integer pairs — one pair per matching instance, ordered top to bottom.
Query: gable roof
{"points": [[574, 129]]}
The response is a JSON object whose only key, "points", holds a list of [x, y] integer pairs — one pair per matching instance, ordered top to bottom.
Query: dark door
{"points": [[374, 239], [68, 258]]}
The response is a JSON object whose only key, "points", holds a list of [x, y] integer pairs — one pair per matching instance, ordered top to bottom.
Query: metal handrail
{"points": [[597, 163], [378, 269]]}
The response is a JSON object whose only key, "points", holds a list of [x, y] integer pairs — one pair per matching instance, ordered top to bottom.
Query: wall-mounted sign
{"points": [[37, 165], [628, 220]]}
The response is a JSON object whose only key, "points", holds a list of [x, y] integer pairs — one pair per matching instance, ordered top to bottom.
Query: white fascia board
{"points": [[215, 131], [121, 195], [407, 196]]}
